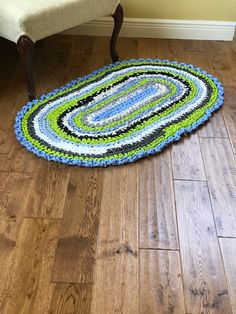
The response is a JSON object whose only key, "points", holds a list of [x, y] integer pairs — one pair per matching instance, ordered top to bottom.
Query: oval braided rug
{"points": [[119, 113]]}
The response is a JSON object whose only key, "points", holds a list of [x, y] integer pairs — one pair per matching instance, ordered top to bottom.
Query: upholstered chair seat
{"points": [[42, 18], [27, 21]]}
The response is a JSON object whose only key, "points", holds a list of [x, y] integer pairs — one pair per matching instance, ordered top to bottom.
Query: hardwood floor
{"points": [[154, 237]]}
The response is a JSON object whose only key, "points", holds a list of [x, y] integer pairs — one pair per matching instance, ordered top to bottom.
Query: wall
{"points": [[222, 10], [178, 19]]}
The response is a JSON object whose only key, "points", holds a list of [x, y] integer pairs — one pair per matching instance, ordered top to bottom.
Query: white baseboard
{"points": [[154, 28]]}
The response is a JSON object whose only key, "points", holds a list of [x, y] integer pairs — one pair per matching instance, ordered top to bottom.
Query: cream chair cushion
{"points": [[41, 18]]}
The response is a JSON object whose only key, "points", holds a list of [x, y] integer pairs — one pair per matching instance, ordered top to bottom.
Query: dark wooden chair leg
{"points": [[118, 21], [25, 48]]}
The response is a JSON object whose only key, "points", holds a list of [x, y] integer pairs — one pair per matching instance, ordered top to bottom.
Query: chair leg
{"points": [[118, 21], [25, 48]]}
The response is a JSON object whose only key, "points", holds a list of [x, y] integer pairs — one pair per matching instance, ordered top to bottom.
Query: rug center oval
{"points": [[139, 98], [122, 105], [119, 113]]}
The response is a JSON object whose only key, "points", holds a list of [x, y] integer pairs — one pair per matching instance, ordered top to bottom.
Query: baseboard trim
{"points": [[154, 28]]}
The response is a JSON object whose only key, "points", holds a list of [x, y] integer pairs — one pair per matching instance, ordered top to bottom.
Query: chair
{"points": [[27, 21]]}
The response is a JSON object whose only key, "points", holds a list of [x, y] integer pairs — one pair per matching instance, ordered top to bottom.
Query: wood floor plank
{"points": [[194, 46], [149, 48], [171, 50], [194, 52], [100, 53], [130, 53], [82, 57], [51, 58], [222, 59], [8, 63], [13, 100], [229, 112], [6, 123], [215, 127], [5, 144], [187, 159], [2, 160], [20, 160], [221, 176], [48, 191], [12, 205], [157, 218], [228, 249], [75, 254], [116, 273], [205, 287], [28, 289], [161, 289], [71, 298]]}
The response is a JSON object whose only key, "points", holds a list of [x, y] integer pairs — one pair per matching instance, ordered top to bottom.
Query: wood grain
{"points": [[193, 47], [149, 48], [171, 50], [194, 52], [130, 53], [82, 56], [99, 56], [222, 61], [8, 63], [52, 73], [229, 111], [8, 113], [6, 123], [215, 127], [5, 144], [187, 159], [2, 160], [20, 160], [221, 175], [48, 191], [12, 204], [11, 214], [157, 219], [228, 248], [75, 254], [116, 273], [29, 278], [205, 287], [161, 289], [71, 298]]}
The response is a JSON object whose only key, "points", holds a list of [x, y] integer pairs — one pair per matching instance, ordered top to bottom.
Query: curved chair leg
{"points": [[118, 21], [25, 49]]}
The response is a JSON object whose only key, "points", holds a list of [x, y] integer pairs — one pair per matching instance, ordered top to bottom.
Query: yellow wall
{"points": [[224, 10]]}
